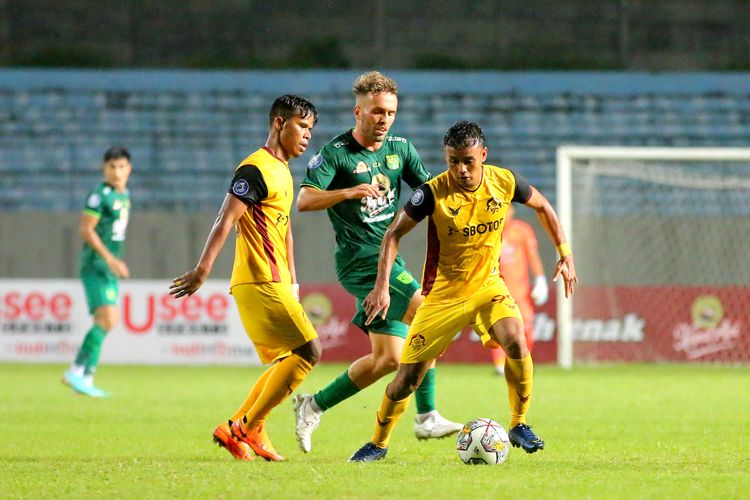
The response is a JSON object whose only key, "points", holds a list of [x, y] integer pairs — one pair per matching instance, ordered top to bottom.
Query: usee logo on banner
{"points": [[35, 312], [164, 315], [709, 332]]}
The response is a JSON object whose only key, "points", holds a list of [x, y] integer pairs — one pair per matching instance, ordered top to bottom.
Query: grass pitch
{"points": [[627, 431]]}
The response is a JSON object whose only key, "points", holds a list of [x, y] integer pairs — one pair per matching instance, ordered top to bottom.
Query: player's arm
{"points": [[247, 188], [311, 198], [420, 205], [230, 212], [548, 218], [87, 231], [290, 258], [379, 299]]}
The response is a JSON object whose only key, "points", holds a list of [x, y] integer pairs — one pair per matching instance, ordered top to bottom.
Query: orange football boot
{"points": [[223, 437], [254, 440]]}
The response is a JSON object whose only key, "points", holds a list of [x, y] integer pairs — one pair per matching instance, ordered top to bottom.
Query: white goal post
{"points": [[645, 165]]}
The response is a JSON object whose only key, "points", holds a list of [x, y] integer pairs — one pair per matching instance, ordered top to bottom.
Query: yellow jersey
{"points": [[264, 183], [464, 234]]}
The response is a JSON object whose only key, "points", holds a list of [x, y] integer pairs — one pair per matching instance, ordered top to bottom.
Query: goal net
{"points": [[661, 239]]}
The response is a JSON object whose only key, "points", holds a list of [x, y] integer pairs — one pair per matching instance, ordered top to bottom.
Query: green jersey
{"points": [[113, 210], [360, 224]]}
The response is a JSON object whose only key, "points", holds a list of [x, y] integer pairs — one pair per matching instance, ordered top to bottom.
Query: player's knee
{"points": [[310, 351], [387, 363]]}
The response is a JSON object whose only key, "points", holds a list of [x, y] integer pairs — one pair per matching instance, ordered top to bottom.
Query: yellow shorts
{"points": [[273, 319], [435, 324]]}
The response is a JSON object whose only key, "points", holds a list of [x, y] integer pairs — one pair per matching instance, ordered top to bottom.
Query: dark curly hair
{"points": [[464, 134]]}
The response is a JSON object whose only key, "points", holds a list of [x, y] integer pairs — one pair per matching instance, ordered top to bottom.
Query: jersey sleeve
{"points": [[320, 171], [415, 173], [248, 185], [522, 192], [94, 204], [421, 204]]}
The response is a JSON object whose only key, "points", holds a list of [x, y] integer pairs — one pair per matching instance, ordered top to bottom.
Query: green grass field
{"points": [[627, 431]]}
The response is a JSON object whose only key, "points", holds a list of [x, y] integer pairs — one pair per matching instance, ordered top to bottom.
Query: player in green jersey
{"points": [[357, 178], [102, 229]]}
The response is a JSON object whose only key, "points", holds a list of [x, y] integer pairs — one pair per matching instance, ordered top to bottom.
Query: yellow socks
{"points": [[519, 375], [284, 377], [252, 396], [386, 419]]}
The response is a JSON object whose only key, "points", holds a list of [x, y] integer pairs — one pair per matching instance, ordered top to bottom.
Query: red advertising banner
{"points": [[45, 321]]}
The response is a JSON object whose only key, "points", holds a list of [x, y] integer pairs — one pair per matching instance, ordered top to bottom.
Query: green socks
{"points": [[88, 354], [340, 389], [425, 393]]}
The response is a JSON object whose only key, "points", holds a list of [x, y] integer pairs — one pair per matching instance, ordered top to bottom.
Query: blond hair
{"points": [[374, 82]]}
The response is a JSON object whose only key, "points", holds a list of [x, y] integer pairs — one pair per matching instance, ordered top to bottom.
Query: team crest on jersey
{"points": [[393, 162], [361, 168], [240, 187], [493, 205], [417, 342]]}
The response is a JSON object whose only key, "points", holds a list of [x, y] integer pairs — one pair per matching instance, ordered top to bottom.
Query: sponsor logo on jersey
{"points": [[395, 138], [340, 143], [315, 161], [393, 162], [361, 168], [240, 187], [117, 205], [493, 205], [454, 211], [482, 227], [405, 277]]}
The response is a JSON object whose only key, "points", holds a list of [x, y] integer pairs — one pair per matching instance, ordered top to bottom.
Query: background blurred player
{"points": [[357, 178], [466, 207], [102, 228], [521, 253], [263, 277]]}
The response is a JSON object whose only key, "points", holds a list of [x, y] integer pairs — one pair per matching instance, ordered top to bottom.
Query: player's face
{"points": [[375, 113], [295, 134], [465, 165], [117, 172]]}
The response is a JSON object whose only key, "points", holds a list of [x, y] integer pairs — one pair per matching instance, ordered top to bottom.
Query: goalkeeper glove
{"points": [[540, 292]]}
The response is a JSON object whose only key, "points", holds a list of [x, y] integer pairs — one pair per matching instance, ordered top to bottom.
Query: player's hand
{"points": [[362, 191], [118, 268], [567, 269], [187, 284], [540, 292], [377, 301]]}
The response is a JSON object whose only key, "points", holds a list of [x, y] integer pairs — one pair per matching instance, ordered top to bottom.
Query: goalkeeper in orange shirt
{"points": [[520, 253]]}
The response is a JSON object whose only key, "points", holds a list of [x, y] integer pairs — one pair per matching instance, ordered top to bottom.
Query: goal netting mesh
{"points": [[661, 239]]}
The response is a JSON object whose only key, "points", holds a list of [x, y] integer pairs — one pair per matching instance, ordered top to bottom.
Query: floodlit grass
{"points": [[627, 431]]}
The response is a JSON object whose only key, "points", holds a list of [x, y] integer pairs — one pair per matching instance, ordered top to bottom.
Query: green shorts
{"points": [[102, 288], [402, 288]]}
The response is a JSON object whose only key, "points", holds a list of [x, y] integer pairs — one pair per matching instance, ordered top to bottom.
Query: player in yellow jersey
{"points": [[466, 207], [263, 282]]}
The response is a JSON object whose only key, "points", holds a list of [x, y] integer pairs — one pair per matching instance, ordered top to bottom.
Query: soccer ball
{"points": [[483, 441]]}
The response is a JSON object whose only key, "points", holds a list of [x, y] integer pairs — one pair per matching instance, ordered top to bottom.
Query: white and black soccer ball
{"points": [[483, 441]]}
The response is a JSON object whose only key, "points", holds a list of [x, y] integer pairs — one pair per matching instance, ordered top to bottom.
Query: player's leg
{"points": [[102, 292], [527, 314], [500, 323], [281, 332], [429, 336], [394, 403], [428, 422]]}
